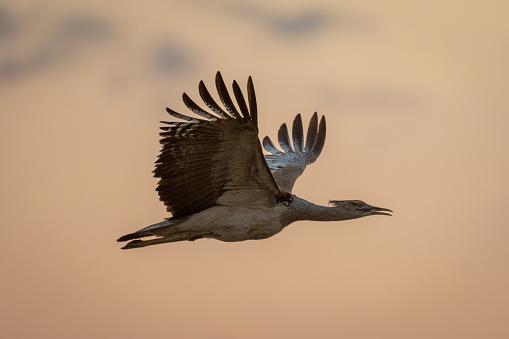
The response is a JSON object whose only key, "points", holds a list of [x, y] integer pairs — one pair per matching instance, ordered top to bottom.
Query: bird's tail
{"points": [[147, 231], [164, 231], [178, 236]]}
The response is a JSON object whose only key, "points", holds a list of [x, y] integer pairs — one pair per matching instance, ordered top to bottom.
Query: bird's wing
{"points": [[216, 159], [289, 163]]}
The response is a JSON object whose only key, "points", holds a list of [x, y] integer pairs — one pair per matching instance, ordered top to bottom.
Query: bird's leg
{"points": [[161, 240]]}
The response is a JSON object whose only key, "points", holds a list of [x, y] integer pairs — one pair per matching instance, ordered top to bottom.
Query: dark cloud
{"points": [[303, 23], [8, 24], [300, 24], [79, 29], [62, 39], [52, 41], [170, 58], [38, 59], [9, 69]]}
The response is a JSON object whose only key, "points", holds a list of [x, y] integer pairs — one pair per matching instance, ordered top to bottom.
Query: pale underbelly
{"points": [[229, 223]]}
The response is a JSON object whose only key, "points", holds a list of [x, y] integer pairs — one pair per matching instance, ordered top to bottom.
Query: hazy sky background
{"points": [[415, 95]]}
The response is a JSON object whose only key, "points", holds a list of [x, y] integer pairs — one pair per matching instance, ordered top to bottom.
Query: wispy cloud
{"points": [[308, 22], [301, 23], [8, 24], [79, 29], [32, 48], [169, 57]]}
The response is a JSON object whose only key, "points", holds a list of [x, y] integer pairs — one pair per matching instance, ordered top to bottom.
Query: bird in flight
{"points": [[217, 183]]}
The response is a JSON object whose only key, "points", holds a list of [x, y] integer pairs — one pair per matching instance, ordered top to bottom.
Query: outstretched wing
{"points": [[216, 159], [289, 163]]}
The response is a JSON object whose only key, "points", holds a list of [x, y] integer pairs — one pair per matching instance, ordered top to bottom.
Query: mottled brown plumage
{"points": [[202, 159]]}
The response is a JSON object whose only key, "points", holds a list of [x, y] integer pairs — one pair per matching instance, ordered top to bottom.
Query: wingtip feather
{"points": [[225, 96], [251, 97], [240, 100], [210, 102], [193, 106], [180, 115], [312, 132], [297, 133], [284, 138], [320, 140], [268, 145]]}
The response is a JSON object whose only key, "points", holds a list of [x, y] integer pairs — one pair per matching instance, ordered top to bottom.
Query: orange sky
{"points": [[415, 97]]}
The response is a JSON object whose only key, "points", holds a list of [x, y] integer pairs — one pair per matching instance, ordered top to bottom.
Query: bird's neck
{"points": [[304, 210]]}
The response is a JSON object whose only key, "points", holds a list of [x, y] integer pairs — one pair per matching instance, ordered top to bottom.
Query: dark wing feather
{"points": [[225, 97], [251, 97], [240, 100], [210, 102], [197, 109], [179, 115], [297, 134], [311, 135], [284, 139], [320, 140], [269, 146], [217, 160], [287, 165]]}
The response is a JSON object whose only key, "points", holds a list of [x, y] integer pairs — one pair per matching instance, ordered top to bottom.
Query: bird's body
{"points": [[217, 183], [225, 223], [235, 223]]}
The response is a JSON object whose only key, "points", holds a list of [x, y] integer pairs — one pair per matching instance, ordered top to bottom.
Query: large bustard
{"points": [[217, 183]]}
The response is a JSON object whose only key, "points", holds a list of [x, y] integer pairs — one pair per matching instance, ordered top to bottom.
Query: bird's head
{"points": [[358, 208]]}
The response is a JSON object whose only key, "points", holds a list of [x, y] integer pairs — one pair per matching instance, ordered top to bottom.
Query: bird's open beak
{"points": [[379, 211]]}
